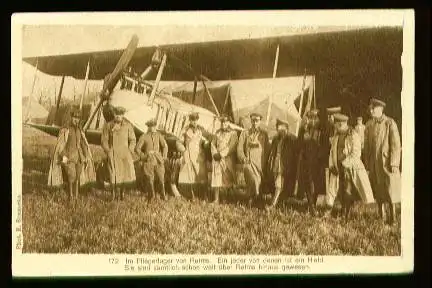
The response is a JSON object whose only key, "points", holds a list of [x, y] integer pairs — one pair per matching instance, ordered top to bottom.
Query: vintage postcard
{"points": [[213, 143]]}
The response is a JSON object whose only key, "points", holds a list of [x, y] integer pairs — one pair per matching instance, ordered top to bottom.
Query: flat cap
{"points": [[374, 102], [119, 110], [333, 110], [255, 115], [194, 116], [338, 117], [280, 122], [151, 123]]}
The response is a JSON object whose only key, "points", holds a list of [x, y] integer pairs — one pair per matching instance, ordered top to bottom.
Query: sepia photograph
{"points": [[178, 146]]}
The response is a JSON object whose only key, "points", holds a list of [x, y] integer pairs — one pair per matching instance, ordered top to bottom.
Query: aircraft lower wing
{"points": [[93, 136]]}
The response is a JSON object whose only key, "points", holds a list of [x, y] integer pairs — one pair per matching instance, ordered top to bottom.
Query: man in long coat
{"points": [[328, 131], [118, 141], [223, 149], [152, 150], [252, 152], [382, 155], [72, 160], [281, 162], [345, 162], [311, 170], [193, 177]]}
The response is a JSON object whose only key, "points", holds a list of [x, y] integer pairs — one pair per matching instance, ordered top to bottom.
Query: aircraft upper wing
{"points": [[245, 59]]}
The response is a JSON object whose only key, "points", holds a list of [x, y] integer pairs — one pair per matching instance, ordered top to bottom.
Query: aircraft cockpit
{"points": [[133, 82]]}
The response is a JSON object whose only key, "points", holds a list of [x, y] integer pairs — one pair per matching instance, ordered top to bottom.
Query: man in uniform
{"points": [[328, 131], [118, 141], [223, 149], [152, 150], [252, 151], [382, 155], [72, 161], [281, 164], [346, 164], [193, 171], [310, 174]]}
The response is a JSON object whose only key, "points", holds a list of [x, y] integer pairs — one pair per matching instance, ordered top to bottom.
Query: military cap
{"points": [[376, 102], [119, 110], [333, 110], [76, 113], [256, 115], [194, 116], [339, 117], [281, 122], [151, 123]]}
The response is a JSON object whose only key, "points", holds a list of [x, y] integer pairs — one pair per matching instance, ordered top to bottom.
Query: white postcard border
{"points": [[113, 265]]}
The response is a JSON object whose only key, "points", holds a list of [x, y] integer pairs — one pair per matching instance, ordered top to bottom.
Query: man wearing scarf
{"points": [[118, 141], [223, 149], [152, 150], [252, 151], [382, 156], [72, 161], [345, 162], [281, 164], [193, 177]]}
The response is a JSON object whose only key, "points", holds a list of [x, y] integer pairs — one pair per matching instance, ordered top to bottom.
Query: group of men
{"points": [[362, 163]]}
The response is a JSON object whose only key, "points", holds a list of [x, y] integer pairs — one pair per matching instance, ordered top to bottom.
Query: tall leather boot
{"points": [[113, 193], [122, 193], [151, 194], [163, 194], [216, 196], [275, 199], [391, 214]]}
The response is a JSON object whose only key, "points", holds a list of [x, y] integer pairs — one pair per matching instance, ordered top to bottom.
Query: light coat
{"points": [[118, 142], [382, 151], [353, 163], [193, 168], [224, 171], [55, 175]]}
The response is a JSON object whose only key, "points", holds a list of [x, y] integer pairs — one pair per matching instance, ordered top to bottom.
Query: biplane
{"points": [[348, 66]]}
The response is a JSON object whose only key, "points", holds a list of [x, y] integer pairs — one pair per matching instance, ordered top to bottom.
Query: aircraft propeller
{"points": [[112, 78]]}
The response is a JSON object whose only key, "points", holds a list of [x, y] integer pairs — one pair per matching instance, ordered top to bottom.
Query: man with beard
{"points": [[118, 141], [223, 149], [152, 150], [252, 151], [382, 155], [72, 161], [345, 163], [280, 165], [310, 175], [193, 176]]}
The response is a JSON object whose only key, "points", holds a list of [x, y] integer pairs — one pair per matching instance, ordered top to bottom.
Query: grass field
{"points": [[96, 225]]}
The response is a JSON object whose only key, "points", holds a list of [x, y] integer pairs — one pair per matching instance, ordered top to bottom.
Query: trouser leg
{"points": [[78, 168], [148, 173], [160, 176], [310, 192], [347, 196]]}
